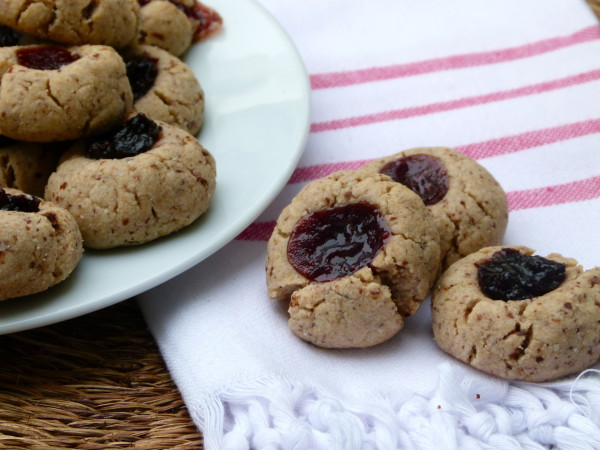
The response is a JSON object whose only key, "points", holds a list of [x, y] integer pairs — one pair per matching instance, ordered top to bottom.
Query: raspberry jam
{"points": [[209, 21], [8, 37], [45, 58], [142, 71], [135, 136], [425, 175], [18, 202], [332, 243], [511, 275]]}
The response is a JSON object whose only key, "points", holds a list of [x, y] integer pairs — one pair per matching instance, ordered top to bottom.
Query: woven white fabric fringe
{"points": [[463, 412]]}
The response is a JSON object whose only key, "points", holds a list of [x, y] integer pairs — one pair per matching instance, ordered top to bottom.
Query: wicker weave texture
{"points": [[95, 382]]}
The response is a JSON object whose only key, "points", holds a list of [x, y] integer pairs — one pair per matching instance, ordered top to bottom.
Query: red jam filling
{"points": [[209, 21], [45, 58], [142, 71], [135, 136], [425, 175], [18, 202], [333, 243], [511, 275]]}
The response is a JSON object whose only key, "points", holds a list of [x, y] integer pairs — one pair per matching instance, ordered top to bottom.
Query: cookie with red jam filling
{"points": [[50, 93], [355, 255]]}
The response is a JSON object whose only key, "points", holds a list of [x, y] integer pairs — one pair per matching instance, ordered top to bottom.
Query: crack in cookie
{"points": [[52, 101], [374, 296]]}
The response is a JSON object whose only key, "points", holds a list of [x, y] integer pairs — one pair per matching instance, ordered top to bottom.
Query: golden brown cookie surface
{"points": [[536, 338]]}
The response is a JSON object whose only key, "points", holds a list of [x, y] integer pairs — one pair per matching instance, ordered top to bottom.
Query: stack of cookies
{"points": [[97, 125], [357, 252]]}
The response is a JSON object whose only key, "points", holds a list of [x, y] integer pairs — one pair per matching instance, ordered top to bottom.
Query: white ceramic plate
{"points": [[257, 119]]}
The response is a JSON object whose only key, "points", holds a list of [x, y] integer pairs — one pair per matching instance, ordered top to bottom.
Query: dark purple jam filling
{"points": [[8, 37], [45, 58], [142, 71], [135, 136], [425, 175], [19, 202], [332, 243], [511, 275]]}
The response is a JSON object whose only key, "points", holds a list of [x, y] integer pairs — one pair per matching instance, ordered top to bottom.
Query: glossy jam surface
{"points": [[8, 37], [45, 58], [142, 71], [135, 136], [425, 175], [19, 202], [332, 243], [511, 275]]}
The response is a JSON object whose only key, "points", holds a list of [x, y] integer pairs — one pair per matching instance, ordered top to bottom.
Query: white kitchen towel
{"points": [[515, 85]]}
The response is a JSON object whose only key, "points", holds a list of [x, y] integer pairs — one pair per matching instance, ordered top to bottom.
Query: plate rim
{"points": [[30, 321]]}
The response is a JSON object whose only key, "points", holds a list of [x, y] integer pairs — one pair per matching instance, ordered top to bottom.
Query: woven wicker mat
{"points": [[93, 382]]}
